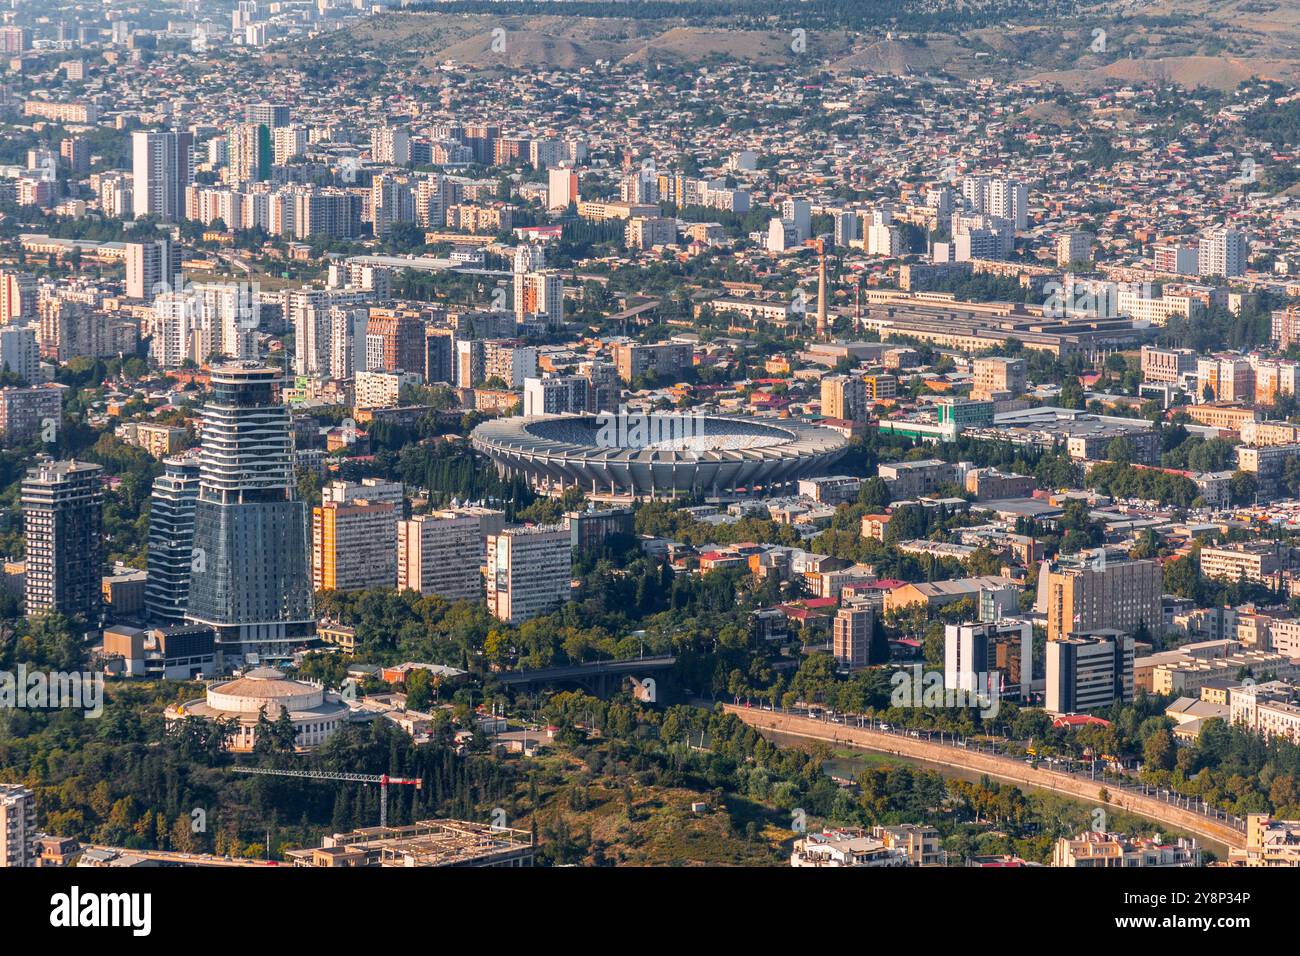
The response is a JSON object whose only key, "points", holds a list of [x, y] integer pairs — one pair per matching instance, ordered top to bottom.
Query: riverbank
{"points": [[947, 759]]}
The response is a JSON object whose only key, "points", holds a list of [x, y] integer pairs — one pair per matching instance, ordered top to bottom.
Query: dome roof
{"points": [[265, 673], [264, 683]]}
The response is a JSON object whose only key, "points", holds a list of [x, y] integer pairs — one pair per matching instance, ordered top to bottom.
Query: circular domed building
{"points": [[315, 712]]}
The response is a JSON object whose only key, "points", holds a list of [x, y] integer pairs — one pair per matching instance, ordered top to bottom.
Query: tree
{"points": [[1071, 393], [1121, 450], [1242, 488], [874, 494], [1183, 576], [878, 652], [419, 689], [284, 732], [1158, 751], [183, 838]]}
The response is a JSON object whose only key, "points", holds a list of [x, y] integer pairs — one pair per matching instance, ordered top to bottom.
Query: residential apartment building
{"points": [[162, 168], [1072, 247], [1223, 252], [152, 268], [19, 294], [664, 360], [1167, 365], [998, 378], [1225, 379], [382, 389], [558, 395], [844, 397], [26, 411], [158, 440], [908, 479], [63, 504], [354, 536], [171, 540], [442, 554], [1256, 562], [529, 571], [251, 577], [1120, 595], [851, 636], [1188, 675], [1270, 709], [18, 834], [1269, 842], [845, 847], [1091, 850]]}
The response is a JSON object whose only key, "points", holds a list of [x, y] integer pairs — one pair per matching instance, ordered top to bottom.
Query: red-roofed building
{"points": [[713, 560], [815, 603], [812, 612], [1074, 721], [987, 862]]}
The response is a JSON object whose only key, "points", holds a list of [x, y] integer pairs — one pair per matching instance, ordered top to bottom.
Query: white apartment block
{"points": [[391, 145], [1004, 198], [1223, 252], [1176, 258], [382, 389], [558, 395], [529, 571], [1271, 709], [17, 826]]}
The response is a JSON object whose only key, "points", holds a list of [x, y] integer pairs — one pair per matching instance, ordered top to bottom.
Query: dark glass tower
{"points": [[63, 518], [171, 540], [250, 574]]}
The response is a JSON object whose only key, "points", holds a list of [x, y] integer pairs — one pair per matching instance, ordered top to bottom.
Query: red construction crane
{"points": [[382, 779]]}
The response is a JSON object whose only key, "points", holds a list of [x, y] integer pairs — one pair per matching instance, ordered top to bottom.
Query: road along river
{"points": [[1217, 835]]}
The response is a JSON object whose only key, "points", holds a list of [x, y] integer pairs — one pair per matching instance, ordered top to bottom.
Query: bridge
{"points": [[595, 678]]}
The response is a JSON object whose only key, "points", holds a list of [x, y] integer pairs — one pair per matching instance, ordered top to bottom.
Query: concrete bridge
{"points": [[599, 678]]}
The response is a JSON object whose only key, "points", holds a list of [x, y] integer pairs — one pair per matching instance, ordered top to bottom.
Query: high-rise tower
{"points": [[162, 166], [821, 289], [63, 505], [171, 539], [250, 572]]}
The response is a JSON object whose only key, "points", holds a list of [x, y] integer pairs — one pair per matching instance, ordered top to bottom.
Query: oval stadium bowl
{"points": [[658, 455]]}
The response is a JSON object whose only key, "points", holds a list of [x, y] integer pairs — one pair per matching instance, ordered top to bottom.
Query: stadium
{"points": [[632, 455]]}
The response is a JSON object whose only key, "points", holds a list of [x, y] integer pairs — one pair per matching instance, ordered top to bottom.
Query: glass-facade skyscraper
{"points": [[63, 517], [171, 539], [250, 574]]}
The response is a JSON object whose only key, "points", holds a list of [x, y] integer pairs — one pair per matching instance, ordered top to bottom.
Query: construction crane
{"points": [[382, 779]]}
